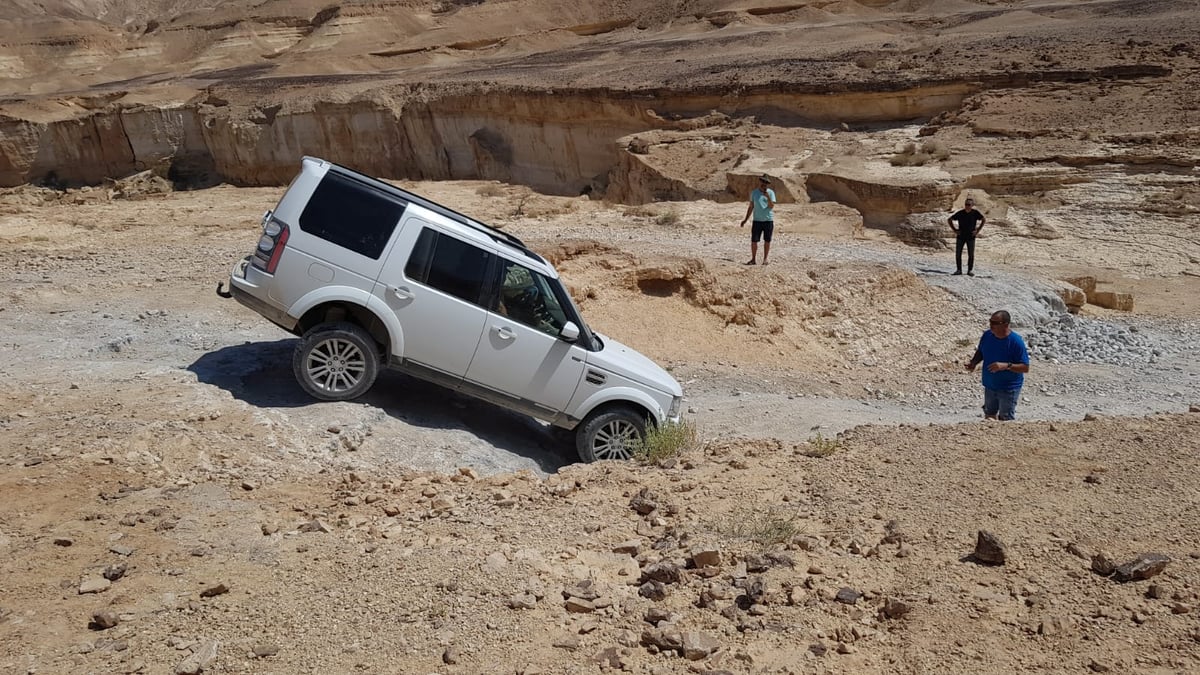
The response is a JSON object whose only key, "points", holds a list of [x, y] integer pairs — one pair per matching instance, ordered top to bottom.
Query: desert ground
{"points": [[176, 504]]}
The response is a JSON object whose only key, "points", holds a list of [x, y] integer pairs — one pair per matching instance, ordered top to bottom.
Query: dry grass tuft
{"points": [[669, 219], [667, 440], [819, 446], [775, 526]]}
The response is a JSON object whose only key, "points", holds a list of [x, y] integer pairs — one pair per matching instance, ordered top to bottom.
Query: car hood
{"points": [[628, 362]]}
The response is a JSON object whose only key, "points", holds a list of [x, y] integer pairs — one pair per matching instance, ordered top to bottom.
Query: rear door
{"points": [[434, 282]]}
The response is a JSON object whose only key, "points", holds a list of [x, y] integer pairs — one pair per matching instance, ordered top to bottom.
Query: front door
{"points": [[520, 355]]}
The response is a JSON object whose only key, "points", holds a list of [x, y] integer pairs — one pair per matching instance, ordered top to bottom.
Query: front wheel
{"points": [[336, 361], [612, 434]]}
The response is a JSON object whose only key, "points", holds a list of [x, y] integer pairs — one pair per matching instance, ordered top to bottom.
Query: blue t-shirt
{"points": [[762, 206], [1005, 350]]}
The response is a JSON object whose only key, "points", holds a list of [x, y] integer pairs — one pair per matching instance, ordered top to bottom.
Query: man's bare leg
{"points": [[766, 251], [753, 252]]}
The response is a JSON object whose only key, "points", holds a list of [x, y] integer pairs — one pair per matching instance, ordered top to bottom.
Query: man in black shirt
{"points": [[966, 223]]}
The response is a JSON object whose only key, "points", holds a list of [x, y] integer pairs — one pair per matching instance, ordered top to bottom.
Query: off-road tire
{"points": [[336, 361], [610, 434]]}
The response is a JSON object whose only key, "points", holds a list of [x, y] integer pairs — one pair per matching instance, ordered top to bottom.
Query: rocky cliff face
{"points": [[633, 101], [556, 142]]}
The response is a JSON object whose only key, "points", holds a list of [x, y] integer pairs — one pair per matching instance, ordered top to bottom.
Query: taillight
{"points": [[280, 242], [270, 244]]}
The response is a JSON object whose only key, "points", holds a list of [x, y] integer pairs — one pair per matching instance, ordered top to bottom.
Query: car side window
{"points": [[351, 215], [450, 265], [528, 297]]}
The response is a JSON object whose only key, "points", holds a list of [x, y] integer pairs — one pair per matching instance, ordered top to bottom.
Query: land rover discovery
{"points": [[369, 275]]}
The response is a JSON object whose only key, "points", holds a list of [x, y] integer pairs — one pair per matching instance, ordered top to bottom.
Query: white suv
{"points": [[368, 274]]}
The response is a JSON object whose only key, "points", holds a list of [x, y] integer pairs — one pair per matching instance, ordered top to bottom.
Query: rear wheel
{"points": [[336, 361], [610, 434]]}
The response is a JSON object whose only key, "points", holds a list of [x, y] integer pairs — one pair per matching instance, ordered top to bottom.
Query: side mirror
{"points": [[569, 332]]}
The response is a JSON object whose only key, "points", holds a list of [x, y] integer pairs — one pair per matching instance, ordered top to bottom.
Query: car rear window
{"points": [[352, 215]]}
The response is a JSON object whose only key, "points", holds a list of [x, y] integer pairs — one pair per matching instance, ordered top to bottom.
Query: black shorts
{"points": [[762, 229]]}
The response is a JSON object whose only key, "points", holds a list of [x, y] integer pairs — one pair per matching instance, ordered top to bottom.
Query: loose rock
{"points": [[644, 502], [315, 525], [989, 549], [708, 557], [1102, 564], [1142, 567], [666, 572], [94, 586], [653, 590], [212, 591], [847, 596], [522, 601], [895, 609], [103, 620], [1053, 625], [665, 639], [697, 645], [198, 660]]}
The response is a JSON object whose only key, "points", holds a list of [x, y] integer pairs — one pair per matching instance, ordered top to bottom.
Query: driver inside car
{"points": [[521, 300]]}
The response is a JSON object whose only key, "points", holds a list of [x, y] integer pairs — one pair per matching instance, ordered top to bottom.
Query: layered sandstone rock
{"points": [[883, 203], [1085, 287], [1073, 296], [1112, 300]]}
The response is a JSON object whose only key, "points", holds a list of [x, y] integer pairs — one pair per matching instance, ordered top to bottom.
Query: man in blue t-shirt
{"points": [[762, 205], [1005, 362]]}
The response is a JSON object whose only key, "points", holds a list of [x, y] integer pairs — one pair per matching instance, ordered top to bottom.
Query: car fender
{"points": [[327, 294], [354, 296], [387, 317], [620, 395]]}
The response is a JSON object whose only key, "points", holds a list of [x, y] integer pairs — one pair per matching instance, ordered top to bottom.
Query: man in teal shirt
{"points": [[762, 206], [1005, 362]]}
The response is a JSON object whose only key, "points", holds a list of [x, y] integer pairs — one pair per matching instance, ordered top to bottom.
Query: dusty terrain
{"points": [[157, 428], [176, 504]]}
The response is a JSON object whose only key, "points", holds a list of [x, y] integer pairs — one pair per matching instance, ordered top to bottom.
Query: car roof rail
{"points": [[495, 233]]}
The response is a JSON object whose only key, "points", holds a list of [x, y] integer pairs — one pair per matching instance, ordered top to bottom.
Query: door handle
{"points": [[401, 292], [505, 333]]}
